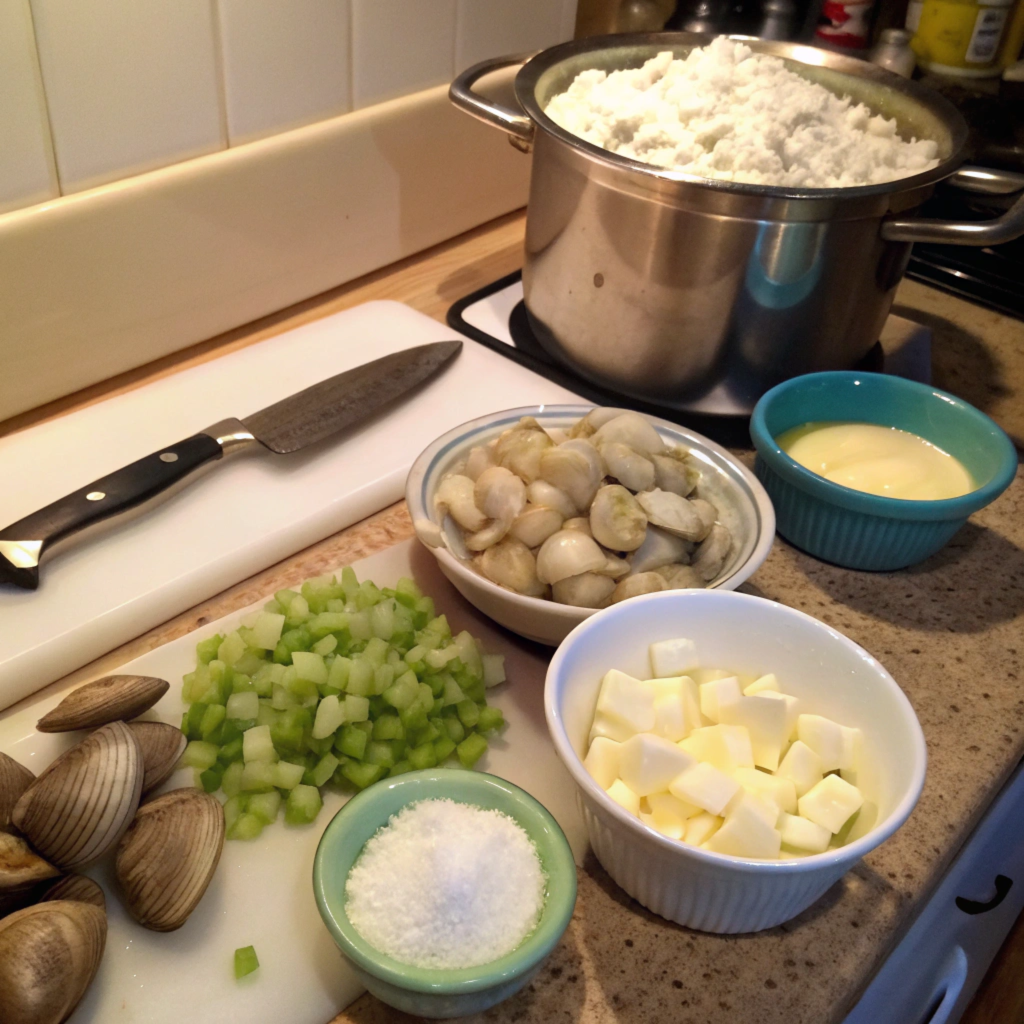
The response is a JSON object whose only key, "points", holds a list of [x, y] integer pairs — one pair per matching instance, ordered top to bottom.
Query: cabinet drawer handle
{"points": [[1003, 886]]}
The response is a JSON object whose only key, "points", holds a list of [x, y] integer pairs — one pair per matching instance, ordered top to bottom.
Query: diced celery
{"points": [[349, 582], [408, 592], [285, 597], [298, 610], [382, 620], [323, 625], [359, 626], [266, 631], [297, 639], [325, 645], [231, 649], [206, 650], [376, 652], [469, 652], [415, 655], [438, 659], [310, 667], [494, 669], [338, 673], [268, 674], [360, 677], [383, 677], [242, 683], [403, 691], [452, 691], [425, 697], [283, 698], [243, 705], [357, 709], [468, 712], [268, 715], [330, 716], [413, 717], [490, 718], [388, 727], [455, 729], [289, 730], [426, 734], [352, 742], [257, 744], [320, 747], [443, 748], [471, 749], [230, 752], [379, 752], [199, 754], [423, 756], [400, 768], [324, 769], [287, 775], [362, 775], [258, 776], [211, 779], [231, 783], [303, 805], [265, 806], [234, 807], [245, 826], [245, 961]]}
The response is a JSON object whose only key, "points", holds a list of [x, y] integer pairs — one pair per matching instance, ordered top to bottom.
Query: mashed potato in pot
{"points": [[726, 112]]}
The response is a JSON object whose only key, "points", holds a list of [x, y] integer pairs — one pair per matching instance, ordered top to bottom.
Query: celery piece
{"points": [[349, 582], [408, 592], [369, 593], [285, 597], [336, 604], [298, 611], [382, 620], [323, 625], [359, 626], [267, 630], [297, 639], [325, 645], [231, 649], [206, 650], [376, 652], [469, 653], [415, 655], [439, 658], [310, 667], [494, 669], [339, 672], [268, 674], [360, 677], [383, 677], [241, 682], [329, 691], [403, 691], [452, 691], [283, 698], [425, 698], [243, 706], [357, 709], [468, 712], [267, 714], [330, 716], [413, 717], [490, 718], [192, 724], [366, 726], [388, 727], [291, 728], [426, 734], [352, 742], [257, 744], [320, 747], [443, 748], [471, 749], [230, 752], [379, 752], [199, 754], [423, 756], [400, 768], [323, 771], [287, 775], [362, 775], [258, 776], [211, 779], [231, 783], [303, 805], [265, 806], [234, 808], [245, 826], [245, 961]]}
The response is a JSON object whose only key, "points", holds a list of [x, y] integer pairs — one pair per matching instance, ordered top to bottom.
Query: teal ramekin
{"points": [[865, 531], [423, 991]]}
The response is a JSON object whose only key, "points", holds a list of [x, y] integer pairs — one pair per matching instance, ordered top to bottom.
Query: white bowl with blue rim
{"points": [[743, 505]]}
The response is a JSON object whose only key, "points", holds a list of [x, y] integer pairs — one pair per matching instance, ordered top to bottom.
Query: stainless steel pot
{"points": [[699, 293]]}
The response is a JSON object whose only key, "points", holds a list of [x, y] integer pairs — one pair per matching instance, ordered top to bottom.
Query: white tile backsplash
{"points": [[494, 28], [400, 46], [286, 63], [131, 85], [27, 173]]}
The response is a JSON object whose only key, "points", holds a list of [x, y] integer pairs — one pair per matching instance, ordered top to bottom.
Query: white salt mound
{"points": [[726, 112], [446, 885]]}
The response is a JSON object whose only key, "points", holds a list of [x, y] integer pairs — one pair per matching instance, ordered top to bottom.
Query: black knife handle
{"points": [[23, 543]]}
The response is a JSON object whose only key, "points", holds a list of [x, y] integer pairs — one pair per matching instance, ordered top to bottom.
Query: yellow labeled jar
{"points": [[959, 37]]}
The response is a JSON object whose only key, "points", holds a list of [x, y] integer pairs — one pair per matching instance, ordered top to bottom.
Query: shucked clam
{"points": [[599, 513]]}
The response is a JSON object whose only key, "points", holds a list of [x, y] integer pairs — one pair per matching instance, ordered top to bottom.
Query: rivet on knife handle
{"points": [[23, 544]]}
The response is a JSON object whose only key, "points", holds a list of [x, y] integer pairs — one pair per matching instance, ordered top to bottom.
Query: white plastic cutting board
{"points": [[241, 516], [262, 893]]}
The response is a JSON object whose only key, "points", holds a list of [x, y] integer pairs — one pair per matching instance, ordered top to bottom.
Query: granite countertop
{"points": [[950, 632]]}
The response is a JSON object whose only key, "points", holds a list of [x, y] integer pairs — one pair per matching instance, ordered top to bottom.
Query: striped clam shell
{"points": [[110, 699], [162, 746], [14, 780], [81, 805], [168, 857], [77, 889], [49, 953]]}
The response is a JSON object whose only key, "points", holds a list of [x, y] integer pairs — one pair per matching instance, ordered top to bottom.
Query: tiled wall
{"points": [[92, 91]]}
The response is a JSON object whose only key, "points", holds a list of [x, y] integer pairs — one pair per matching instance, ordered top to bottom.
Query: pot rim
{"points": [[529, 75]]}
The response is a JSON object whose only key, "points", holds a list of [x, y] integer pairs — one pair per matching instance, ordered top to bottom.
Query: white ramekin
{"points": [[832, 676]]}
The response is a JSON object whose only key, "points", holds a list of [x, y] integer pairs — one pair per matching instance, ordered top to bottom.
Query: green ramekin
{"points": [[866, 531], [442, 993]]}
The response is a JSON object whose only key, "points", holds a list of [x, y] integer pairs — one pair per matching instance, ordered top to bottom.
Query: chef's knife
{"points": [[287, 426]]}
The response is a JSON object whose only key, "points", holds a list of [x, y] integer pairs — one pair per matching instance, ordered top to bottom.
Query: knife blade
{"points": [[296, 422]]}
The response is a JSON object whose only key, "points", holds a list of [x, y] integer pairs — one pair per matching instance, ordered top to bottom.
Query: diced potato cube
{"points": [[672, 657], [768, 682], [669, 686], [719, 694], [627, 701], [793, 707], [670, 717], [765, 720], [609, 728], [824, 737], [853, 739], [727, 747], [602, 761], [648, 763], [802, 765], [704, 785], [779, 790], [624, 796], [830, 803], [669, 804], [767, 810], [666, 814], [700, 828], [746, 833], [802, 834]]}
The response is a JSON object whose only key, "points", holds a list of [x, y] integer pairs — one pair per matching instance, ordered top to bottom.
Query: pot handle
{"points": [[518, 125], [982, 232]]}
